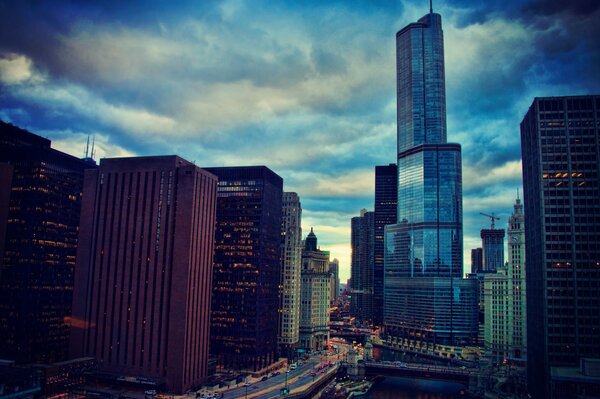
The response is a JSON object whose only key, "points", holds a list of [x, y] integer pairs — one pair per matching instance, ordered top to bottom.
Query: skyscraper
{"points": [[560, 138], [40, 202], [386, 212], [492, 244], [362, 258], [476, 260], [291, 265], [247, 267], [334, 270], [143, 277], [315, 296], [504, 296], [426, 301]]}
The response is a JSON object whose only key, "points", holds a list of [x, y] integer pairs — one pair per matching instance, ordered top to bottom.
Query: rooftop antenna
{"points": [[431, 6], [93, 142], [87, 146], [518, 193]]}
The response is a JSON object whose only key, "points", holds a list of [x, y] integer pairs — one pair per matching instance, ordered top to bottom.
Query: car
{"points": [[293, 366], [276, 373], [313, 373], [264, 378]]}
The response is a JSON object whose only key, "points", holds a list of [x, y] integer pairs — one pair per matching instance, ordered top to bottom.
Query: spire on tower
{"points": [[431, 6]]}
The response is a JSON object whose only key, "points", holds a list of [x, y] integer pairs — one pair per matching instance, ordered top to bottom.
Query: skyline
{"points": [[313, 84]]}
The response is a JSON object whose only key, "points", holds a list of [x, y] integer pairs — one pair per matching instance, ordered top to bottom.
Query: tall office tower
{"points": [[560, 139], [40, 202], [386, 212], [362, 243], [492, 244], [476, 260], [291, 264], [247, 267], [334, 270], [143, 277], [315, 296], [504, 296], [426, 302]]}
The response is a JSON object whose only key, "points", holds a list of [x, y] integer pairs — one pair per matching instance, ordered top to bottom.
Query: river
{"points": [[405, 388]]}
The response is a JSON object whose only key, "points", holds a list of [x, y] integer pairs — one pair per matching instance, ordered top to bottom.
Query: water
{"points": [[406, 388]]}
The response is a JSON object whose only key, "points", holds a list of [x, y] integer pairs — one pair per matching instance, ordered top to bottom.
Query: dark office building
{"points": [[560, 142], [40, 202], [386, 211], [362, 242], [492, 243], [476, 260], [247, 267], [143, 279]]}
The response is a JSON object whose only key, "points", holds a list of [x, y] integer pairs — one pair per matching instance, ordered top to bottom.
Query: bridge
{"points": [[420, 371]]}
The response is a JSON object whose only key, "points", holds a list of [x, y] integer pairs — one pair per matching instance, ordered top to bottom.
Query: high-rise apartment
{"points": [[560, 140], [40, 203], [386, 211], [362, 241], [291, 264], [247, 267], [143, 278], [315, 296], [426, 301]]}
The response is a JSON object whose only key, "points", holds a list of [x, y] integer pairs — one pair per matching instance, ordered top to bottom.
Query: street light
{"points": [[286, 378], [247, 385]]}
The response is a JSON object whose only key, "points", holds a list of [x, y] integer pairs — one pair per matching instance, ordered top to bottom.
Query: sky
{"points": [[306, 88]]}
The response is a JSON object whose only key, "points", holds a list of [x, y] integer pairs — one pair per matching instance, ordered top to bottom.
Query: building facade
{"points": [[560, 138], [40, 203], [386, 212], [362, 244], [492, 255], [476, 260], [291, 265], [247, 267], [334, 270], [143, 278], [315, 296], [426, 301]]}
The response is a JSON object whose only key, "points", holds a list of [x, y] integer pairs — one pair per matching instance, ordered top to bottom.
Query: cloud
{"points": [[15, 69]]}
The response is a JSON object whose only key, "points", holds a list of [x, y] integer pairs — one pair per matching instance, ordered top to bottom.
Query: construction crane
{"points": [[492, 218]]}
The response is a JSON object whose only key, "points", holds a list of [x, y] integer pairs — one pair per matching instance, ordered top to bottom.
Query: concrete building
{"points": [[560, 139], [40, 204], [362, 242], [291, 265], [247, 268], [143, 277], [315, 296]]}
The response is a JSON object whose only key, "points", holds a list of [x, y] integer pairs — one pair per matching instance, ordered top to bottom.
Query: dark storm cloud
{"points": [[307, 88]]}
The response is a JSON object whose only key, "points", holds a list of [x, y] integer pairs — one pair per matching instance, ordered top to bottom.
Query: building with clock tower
{"points": [[504, 296]]}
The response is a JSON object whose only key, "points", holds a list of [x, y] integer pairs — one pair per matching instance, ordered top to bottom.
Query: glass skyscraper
{"points": [[425, 299]]}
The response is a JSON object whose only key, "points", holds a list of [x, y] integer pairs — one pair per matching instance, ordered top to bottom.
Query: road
{"points": [[295, 379]]}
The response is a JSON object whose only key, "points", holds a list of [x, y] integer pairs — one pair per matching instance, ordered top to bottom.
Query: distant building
{"points": [[560, 138], [40, 203], [386, 212], [492, 243], [362, 244], [476, 260], [291, 265], [247, 267], [334, 270], [143, 277], [315, 296]]}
